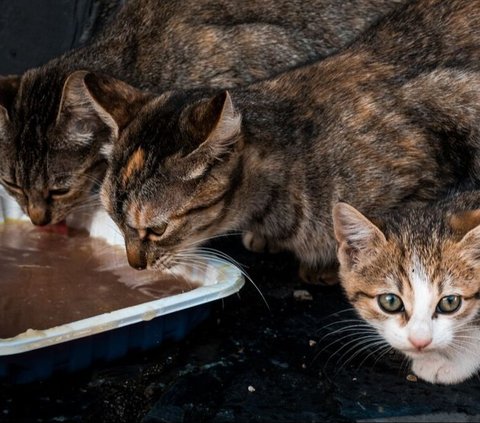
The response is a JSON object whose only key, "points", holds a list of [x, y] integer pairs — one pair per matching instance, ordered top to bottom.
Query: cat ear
{"points": [[8, 90], [93, 102], [217, 126], [467, 223], [357, 236]]}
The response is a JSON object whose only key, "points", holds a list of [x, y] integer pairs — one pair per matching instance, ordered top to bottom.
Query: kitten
{"points": [[380, 124], [52, 142], [416, 280]]}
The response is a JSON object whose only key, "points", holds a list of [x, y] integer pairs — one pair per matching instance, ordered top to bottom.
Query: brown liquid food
{"points": [[49, 279]]}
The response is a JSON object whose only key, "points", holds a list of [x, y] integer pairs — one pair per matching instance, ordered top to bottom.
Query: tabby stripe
{"points": [[227, 195], [197, 209], [358, 295]]}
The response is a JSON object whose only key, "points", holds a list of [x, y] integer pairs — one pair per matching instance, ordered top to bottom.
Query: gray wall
{"points": [[34, 31]]}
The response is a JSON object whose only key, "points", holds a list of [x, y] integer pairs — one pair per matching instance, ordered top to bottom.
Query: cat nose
{"points": [[38, 215], [136, 258], [420, 343]]}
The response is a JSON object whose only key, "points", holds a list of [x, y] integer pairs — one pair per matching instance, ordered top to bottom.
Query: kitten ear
{"points": [[8, 90], [93, 102], [218, 124], [467, 223], [357, 236]]}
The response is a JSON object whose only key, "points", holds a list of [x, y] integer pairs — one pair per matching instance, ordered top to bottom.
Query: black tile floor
{"points": [[247, 363]]}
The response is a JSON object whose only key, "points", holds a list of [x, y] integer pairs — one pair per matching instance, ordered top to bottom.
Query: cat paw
{"points": [[258, 244], [315, 276], [440, 371]]}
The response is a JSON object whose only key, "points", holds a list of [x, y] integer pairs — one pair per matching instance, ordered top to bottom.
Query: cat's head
{"points": [[54, 133], [172, 175], [415, 279]]}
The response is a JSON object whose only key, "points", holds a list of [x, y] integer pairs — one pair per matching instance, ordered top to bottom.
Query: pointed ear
{"points": [[8, 90], [92, 103], [217, 123], [467, 223], [357, 236]]}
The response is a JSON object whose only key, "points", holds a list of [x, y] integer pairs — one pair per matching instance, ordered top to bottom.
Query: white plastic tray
{"points": [[218, 281]]}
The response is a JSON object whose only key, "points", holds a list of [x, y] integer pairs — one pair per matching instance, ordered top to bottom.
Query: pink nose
{"points": [[420, 343]]}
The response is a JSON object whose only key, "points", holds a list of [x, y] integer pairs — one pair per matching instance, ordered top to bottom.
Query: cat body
{"points": [[389, 120], [51, 145], [414, 275]]}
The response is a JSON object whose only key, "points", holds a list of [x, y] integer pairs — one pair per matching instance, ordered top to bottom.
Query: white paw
{"points": [[257, 243], [442, 371]]}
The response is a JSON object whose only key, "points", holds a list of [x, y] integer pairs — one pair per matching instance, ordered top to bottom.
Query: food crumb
{"points": [[302, 295], [312, 343], [412, 378], [251, 388]]}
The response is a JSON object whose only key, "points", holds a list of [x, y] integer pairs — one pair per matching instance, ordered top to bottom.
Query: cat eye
{"points": [[55, 193], [158, 230], [390, 303], [449, 304]]}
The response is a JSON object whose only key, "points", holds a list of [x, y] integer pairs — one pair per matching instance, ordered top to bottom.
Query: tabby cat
{"points": [[393, 118], [52, 142], [415, 277]]}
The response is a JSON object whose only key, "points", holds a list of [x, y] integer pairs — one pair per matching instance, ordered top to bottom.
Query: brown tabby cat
{"points": [[394, 118], [51, 138], [415, 277]]}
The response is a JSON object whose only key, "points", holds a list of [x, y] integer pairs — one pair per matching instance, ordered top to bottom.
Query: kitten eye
{"points": [[55, 193], [158, 230], [390, 303], [449, 304]]}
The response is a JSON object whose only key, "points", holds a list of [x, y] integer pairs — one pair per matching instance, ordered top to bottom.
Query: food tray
{"points": [[35, 355]]}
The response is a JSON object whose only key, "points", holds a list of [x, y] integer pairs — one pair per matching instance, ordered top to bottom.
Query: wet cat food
{"points": [[49, 279]]}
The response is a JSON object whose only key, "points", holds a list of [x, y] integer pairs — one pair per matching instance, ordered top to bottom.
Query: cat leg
{"points": [[259, 244], [318, 276], [447, 370]]}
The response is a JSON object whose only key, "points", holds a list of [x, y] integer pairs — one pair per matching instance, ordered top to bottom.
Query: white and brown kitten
{"points": [[52, 142], [415, 277]]}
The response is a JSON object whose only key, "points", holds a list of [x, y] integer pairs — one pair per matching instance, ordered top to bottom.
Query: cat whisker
{"points": [[336, 313], [341, 322], [347, 329], [358, 334], [351, 345], [381, 345], [388, 349]]}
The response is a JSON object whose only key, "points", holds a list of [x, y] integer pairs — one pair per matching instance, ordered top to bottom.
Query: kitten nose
{"points": [[38, 215], [420, 343]]}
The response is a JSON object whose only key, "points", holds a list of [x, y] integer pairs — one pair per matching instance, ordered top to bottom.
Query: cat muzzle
{"points": [[136, 257]]}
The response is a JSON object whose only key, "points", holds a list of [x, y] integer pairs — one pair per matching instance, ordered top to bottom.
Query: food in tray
{"points": [[49, 278]]}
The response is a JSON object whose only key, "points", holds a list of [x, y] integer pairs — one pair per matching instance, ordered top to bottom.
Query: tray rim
{"points": [[229, 280], [35, 339]]}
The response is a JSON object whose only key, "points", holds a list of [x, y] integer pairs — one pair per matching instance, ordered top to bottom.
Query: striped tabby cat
{"points": [[392, 119], [54, 137]]}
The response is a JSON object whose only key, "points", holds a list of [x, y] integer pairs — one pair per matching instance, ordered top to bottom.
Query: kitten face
{"points": [[52, 137], [171, 178], [419, 289]]}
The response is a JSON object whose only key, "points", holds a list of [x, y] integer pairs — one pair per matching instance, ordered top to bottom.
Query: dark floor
{"points": [[247, 364]]}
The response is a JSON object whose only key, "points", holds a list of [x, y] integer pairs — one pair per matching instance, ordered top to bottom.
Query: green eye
{"points": [[159, 230], [390, 303], [449, 304]]}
